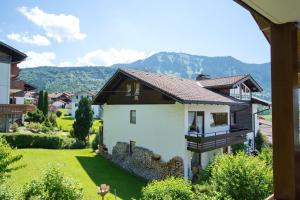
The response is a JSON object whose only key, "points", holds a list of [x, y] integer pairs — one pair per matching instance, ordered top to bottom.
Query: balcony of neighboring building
{"points": [[9, 109]]}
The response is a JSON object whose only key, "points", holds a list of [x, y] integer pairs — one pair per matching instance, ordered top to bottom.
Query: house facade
{"points": [[12, 89], [97, 110], [190, 120]]}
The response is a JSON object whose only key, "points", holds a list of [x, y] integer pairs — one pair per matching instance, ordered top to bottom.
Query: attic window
{"points": [[128, 89], [137, 89]]}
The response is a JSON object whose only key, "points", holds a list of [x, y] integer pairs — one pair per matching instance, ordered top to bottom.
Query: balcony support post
{"points": [[284, 74]]}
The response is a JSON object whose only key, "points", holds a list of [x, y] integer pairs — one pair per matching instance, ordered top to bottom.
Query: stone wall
{"points": [[145, 163]]}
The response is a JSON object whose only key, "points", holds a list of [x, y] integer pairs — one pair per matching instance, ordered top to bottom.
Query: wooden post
{"points": [[285, 111]]}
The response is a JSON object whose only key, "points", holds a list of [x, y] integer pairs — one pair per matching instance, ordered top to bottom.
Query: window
{"points": [[128, 89], [137, 89], [77, 97], [76, 104], [132, 117], [233, 118], [219, 119], [196, 121]]}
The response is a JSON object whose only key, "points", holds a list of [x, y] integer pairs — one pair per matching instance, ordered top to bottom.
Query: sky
{"points": [[102, 33]]}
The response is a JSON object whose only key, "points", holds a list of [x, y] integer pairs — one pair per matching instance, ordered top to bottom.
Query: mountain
{"points": [[73, 79]]}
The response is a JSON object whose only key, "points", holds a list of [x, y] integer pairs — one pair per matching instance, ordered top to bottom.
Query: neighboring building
{"points": [[12, 89], [60, 96], [59, 104], [97, 110], [176, 117]]}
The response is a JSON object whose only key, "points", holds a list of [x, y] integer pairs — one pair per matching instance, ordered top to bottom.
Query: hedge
{"points": [[46, 141]]}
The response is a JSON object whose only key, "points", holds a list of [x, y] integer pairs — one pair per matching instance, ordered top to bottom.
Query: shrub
{"points": [[58, 113], [36, 116], [52, 119], [83, 119], [14, 127], [37, 127], [46, 141], [261, 141], [95, 142], [238, 148], [266, 154], [7, 158], [241, 176], [53, 185], [168, 189], [6, 193]]}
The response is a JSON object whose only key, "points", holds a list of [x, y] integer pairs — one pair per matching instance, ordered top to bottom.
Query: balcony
{"points": [[16, 85], [8, 109], [201, 143]]}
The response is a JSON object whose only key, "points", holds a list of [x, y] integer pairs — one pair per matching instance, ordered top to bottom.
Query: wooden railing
{"points": [[15, 108], [207, 142]]}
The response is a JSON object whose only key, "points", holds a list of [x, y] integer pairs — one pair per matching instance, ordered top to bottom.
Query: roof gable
{"points": [[230, 82], [179, 89]]}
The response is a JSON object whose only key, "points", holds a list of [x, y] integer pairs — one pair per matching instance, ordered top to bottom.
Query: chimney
{"points": [[202, 77]]}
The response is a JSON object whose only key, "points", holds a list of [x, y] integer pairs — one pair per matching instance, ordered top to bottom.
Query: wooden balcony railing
{"points": [[15, 108], [207, 142]]}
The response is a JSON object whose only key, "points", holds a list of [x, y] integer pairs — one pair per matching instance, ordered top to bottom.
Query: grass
{"points": [[267, 117], [66, 122], [84, 166]]}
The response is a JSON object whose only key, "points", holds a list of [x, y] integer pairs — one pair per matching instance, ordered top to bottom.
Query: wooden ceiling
{"points": [[265, 27]]}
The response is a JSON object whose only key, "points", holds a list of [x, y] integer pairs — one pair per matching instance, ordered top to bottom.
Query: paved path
{"points": [[266, 128]]}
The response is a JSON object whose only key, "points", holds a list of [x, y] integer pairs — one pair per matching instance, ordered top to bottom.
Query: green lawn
{"points": [[66, 122], [84, 166]]}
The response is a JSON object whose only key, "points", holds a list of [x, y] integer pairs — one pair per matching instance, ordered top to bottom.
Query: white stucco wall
{"points": [[4, 83], [20, 100], [159, 128], [207, 156]]}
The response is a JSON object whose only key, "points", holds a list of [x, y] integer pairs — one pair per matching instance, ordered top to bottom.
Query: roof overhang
{"points": [[277, 11], [268, 12], [15, 55], [256, 100]]}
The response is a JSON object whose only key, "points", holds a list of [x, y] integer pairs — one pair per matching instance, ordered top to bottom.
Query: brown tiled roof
{"points": [[222, 81], [183, 90]]}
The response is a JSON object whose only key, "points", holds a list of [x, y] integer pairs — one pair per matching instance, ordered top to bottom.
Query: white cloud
{"points": [[56, 26], [24, 38], [110, 57], [94, 58], [35, 59]]}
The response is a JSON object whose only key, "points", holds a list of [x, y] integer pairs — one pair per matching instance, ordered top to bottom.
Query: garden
{"points": [[44, 162]]}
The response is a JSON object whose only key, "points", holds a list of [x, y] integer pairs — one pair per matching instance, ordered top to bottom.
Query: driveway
{"points": [[266, 128]]}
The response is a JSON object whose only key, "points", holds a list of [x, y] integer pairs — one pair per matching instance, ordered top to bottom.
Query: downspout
{"points": [[253, 123]]}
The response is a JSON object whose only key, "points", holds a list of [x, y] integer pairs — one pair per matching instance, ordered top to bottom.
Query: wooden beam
{"points": [[285, 111]]}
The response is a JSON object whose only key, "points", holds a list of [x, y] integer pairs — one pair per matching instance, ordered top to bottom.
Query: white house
{"points": [[11, 88], [97, 110], [177, 117]]}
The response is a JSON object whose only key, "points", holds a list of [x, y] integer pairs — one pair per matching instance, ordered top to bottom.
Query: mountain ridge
{"points": [[73, 79]]}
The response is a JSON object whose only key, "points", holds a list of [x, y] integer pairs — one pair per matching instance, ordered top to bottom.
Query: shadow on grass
{"points": [[67, 118], [101, 171]]}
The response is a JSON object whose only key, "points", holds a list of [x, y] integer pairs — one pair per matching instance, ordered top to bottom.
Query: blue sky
{"points": [[98, 32]]}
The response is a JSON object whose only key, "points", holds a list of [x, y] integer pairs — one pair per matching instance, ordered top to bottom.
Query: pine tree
{"points": [[41, 100], [45, 104], [83, 119]]}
